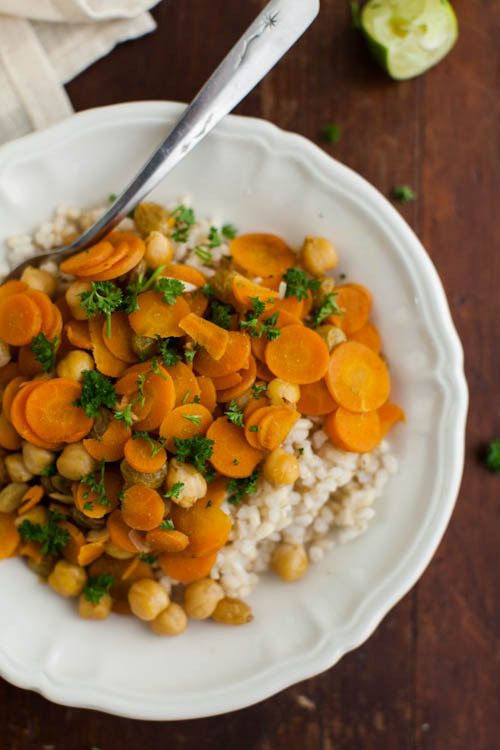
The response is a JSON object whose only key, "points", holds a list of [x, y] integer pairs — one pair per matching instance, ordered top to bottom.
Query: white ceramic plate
{"points": [[261, 179]]}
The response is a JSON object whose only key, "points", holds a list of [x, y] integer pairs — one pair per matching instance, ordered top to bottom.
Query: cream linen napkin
{"points": [[45, 43]]}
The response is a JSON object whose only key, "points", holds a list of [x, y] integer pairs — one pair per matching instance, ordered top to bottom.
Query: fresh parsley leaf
{"points": [[330, 133], [403, 194], [112, 198], [184, 220], [229, 231], [214, 239], [203, 254], [342, 276], [297, 283], [170, 289], [208, 290], [104, 297], [130, 302], [258, 306], [328, 307], [220, 314], [251, 323], [268, 327], [44, 350], [168, 351], [189, 354], [258, 390], [97, 391], [186, 396], [196, 400], [234, 414], [125, 415], [194, 418], [254, 428], [156, 445], [197, 450], [301, 451], [493, 458], [235, 461], [50, 470], [209, 474], [95, 482], [241, 487], [174, 491], [209, 504], [88, 505], [168, 524], [52, 538], [149, 559], [97, 587]]}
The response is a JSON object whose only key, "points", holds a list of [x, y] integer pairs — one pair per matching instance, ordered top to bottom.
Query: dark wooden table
{"points": [[428, 678]]}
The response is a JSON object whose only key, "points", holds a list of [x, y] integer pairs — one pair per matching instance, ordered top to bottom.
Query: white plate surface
{"points": [[261, 179]]}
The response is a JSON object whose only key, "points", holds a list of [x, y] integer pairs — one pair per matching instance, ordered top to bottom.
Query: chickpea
{"points": [[151, 217], [159, 250], [318, 255], [41, 280], [222, 282], [326, 286], [74, 300], [331, 335], [5, 355], [74, 364], [279, 392], [36, 459], [74, 462], [281, 467], [16, 468], [195, 485], [10, 496], [39, 514], [119, 554], [289, 561], [68, 579], [202, 597], [147, 599], [97, 611], [232, 611], [172, 621]]}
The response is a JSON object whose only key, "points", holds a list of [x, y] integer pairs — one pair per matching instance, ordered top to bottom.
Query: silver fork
{"points": [[272, 34]]}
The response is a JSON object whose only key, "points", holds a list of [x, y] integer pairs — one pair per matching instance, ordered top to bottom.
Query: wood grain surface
{"points": [[428, 678]]}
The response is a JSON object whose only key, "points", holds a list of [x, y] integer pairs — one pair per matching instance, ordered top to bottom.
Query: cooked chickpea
{"points": [[151, 217], [159, 250], [318, 255], [43, 281], [326, 286], [74, 300], [331, 335], [5, 355], [74, 364], [280, 391], [36, 459], [74, 462], [281, 467], [16, 468], [195, 485], [10, 496], [39, 514], [119, 554], [289, 561], [68, 579], [201, 598], [147, 599], [97, 611], [232, 611], [172, 621]]}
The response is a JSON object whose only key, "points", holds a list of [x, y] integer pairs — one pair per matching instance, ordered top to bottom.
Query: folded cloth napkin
{"points": [[45, 43]]}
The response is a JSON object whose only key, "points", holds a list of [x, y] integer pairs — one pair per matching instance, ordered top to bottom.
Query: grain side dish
{"points": [[184, 408]]}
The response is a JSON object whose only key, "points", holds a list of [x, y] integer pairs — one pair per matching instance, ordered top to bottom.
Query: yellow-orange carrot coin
{"points": [[262, 254], [355, 303], [155, 318], [20, 319], [369, 336], [211, 337], [299, 355], [236, 357], [357, 378], [315, 399], [52, 414], [389, 414], [185, 421], [355, 432], [111, 444], [139, 454], [232, 455], [142, 507], [9, 536]]}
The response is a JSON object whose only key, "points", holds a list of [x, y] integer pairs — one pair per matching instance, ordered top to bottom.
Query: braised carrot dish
{"points": [[183, 408]]}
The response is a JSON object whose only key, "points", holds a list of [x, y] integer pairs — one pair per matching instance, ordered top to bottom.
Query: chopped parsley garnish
{"points": [[356, 15], [330, 133], [403, 194], [112, 198], [184, 220], [229, 231], [214, 239], [203, 254], [342, 276], [297, 283], [170, 289], [208, 290], [104, 297], [129, 302], [328, 307], [220, 314], [268, 327], [256, 328], [44, 350], [168, 351], [189, 354], [258, 390], [97, 391], [186, 396], [196, 400], [234, 414], [125, 415], [194, 418], [254, 428], [156, 445], [197, 450], [301, 451], [493, 458], [235, 461], [50, 470], [209, 474], [95, 482], [241, 487], [175, 492], [209, 504], [168, 524], [52, 538], [149, 559], [97, 587]]}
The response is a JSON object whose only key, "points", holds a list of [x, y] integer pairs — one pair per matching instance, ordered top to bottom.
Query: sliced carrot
{"points": [[121, 250], [135, 253], [262, 254], [87, 258], [185, 273], [12, 287], [244, 291], [197, 302], [355, 303], [44, 304], [308, 304], [290, 305], [63, 307], [155, 318], [20, 319], [283, 319], [55, 327], [78, 334], [369, 336], [212, 337], [120, 341], [258, 344], [298, 356], [236, 357], [105, 362], [28, 363], [263, 371], [8, 372], [248, 377], [357, 378], [227, 381], [185, 382], [9, 392], [159, 393], [208, 394], [315, 399], [253, 405], [52, 414], [389, 414], [18, 416], [185, 421], [252, 423], [275, 426], [358, 433], [9, 439], [111, 445], [139, 454], [232, 455], [216, 492], [30, 498], [86, 500], [142, 508], [208, 528], [119, 531], [9, 536], [167, 540], [75, 542], [90, 552], [180, 567], [117, 568], [129, 570]]}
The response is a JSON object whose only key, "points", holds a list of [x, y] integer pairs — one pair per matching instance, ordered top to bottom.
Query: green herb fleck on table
{"points": [[330, 133], [403, 194], [184, 221], [229, 231], [297, 283], [171, 289], [103, 298], [328, 307], [44, 350], [97, 391], [234, 414], [197, 450], [493, 457], [95, 482], [241, 487], [168, 525], [52, 538], [97, 587]]}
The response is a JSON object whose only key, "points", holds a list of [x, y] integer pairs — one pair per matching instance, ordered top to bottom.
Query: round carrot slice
{"points": [[136, 250], [120, 251], [262, 254], [88, 258], [184, 273], [12, 287], [244, 291], [197, 302], [355, 303], [44, 304], [290, 305], [155, 318], [20, 319], [54, 328], [77, 333], [369, 336], [211, 337], [119, 342], [299, 355], [236, 357], [105, 362], [263, 371], [357, 378], [247, 380], [227, 381], [185, 383], [9, 393], [208, 394], [315, 399], [253, 405], [51, 411], [389, 414], [18, 416], [183, 422], [252, 424], [275, 426], [358, 433], [9, 439], [111, 444], [139, 454], [232, 455], [216, 492], [87, 501], [142, 507], [206, 526], [119, 531], [9, 535], [167, 540], [75, 542], [184, 568]]}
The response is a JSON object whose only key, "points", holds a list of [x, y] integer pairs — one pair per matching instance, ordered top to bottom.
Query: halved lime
{"points": [[408, 37]]}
